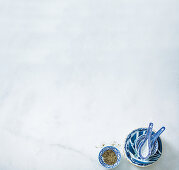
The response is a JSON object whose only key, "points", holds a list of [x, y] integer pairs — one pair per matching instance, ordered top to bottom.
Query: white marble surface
{"points": [[77, 74]]}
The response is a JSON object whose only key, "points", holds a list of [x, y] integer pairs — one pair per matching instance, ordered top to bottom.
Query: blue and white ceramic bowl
{"points": [[131, 150], [116, 151]]}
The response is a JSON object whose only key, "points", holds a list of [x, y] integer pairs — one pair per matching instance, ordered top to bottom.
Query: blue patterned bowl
{"points": [[131, 150], [116, 151]]}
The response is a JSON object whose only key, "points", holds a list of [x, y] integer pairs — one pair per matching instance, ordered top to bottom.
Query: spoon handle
{"points": [[149, 131], [157, 134]]}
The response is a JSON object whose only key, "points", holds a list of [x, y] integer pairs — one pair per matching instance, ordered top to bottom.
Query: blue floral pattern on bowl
{"points": [[116, 151], [132, 152]]}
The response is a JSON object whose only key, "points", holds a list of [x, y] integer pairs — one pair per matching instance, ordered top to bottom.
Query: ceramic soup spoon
{"points": [[156, 135], [145, 147]]}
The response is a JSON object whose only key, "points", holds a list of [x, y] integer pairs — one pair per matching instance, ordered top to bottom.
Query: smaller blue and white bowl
{"points": [[115, 150]]}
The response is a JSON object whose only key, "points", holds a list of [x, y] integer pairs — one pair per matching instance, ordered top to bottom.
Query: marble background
{"points": [[77, 74]]}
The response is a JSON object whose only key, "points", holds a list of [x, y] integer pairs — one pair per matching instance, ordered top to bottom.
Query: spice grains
{"points": [[109, 157]]}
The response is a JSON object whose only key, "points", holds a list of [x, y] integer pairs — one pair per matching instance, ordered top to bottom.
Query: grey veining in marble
{"points": [[77, 74]]}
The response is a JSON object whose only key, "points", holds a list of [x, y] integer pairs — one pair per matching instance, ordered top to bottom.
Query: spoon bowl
{"points": [[141, 139]]}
